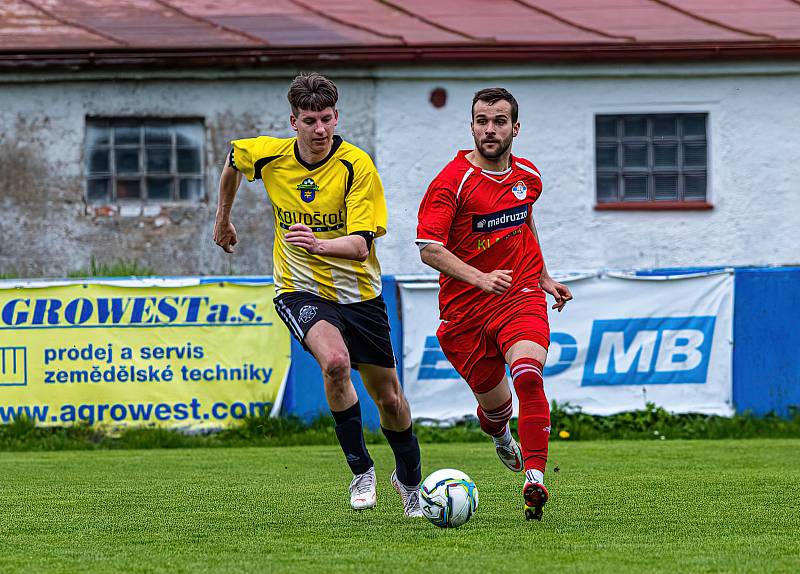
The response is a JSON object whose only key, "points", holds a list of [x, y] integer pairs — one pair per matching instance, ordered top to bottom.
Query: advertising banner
{"points": [[622, 342], [153, 352]]}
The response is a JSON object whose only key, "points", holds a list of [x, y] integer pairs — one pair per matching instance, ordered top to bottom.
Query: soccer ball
{"points": [[448, 498]]}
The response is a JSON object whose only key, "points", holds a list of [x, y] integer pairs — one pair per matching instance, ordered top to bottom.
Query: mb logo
{"points": [[663, 350], [651, 351], [434, 365], [13, 366]]}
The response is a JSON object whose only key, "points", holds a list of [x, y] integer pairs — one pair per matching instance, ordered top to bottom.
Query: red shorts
{"points": [[476, 346]]}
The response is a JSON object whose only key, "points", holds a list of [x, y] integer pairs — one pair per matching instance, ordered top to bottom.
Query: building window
{"points": [[144, 160], [651, 161]]}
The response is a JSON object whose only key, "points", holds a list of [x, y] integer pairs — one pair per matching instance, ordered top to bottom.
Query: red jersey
{"points": [[481, 217]]}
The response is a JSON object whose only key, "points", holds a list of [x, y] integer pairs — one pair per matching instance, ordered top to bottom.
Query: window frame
{"points": [[706, 109], [143, 174]]}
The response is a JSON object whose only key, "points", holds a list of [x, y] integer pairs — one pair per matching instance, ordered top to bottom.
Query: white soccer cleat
{"points": [[511, 455], [362, 490], [410, 497]]}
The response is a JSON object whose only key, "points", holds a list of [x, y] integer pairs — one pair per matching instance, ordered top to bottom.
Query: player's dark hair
{"points": [[312, 92], [494, 95]]}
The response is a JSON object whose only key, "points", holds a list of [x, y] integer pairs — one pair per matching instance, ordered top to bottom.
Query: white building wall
{"points": [[754, 144], [754, 172]]}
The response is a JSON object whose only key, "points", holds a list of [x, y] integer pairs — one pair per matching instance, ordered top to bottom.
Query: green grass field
{"points": [[660, 506]]}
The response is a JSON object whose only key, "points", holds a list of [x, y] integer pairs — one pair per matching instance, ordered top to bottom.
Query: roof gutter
{"points": [[81, 59]]}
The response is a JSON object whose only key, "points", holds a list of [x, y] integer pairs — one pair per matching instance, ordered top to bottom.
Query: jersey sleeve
{"points": [[243, 153], [250, 155], [533, 179], [535, 188], [365, 200], [436, 213]]}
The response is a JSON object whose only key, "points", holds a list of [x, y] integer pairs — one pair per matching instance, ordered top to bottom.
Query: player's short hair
{"points": [[312, 92], [494, 95]]}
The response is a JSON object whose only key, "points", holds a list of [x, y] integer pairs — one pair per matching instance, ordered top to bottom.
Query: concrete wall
{"points": [[754, 138], [754, 178], [47, 228]]}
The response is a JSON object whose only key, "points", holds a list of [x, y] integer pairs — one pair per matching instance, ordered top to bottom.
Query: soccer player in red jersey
{"points": [[476, 228]]}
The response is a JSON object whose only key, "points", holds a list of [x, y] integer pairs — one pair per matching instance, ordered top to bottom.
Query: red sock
{"points": [[534, 412], [493, 422]]}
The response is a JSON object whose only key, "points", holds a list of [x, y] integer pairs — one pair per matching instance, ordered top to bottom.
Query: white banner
{"points": [[622, 342]]}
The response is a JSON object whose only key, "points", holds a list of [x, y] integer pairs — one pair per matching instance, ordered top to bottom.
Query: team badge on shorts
{"points": [[308, 190], [520, 190], [307, 312]]}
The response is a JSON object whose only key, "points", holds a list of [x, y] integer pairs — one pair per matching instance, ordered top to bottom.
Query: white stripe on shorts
{"points": [[290, 320]]}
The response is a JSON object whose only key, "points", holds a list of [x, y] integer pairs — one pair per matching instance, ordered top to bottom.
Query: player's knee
{"points": [[336, 367], [391, 404]]}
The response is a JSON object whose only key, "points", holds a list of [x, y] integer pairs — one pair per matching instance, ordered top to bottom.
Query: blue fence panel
{"points": [[658, 271], [766, 335], [766, 352], [304, 395]]}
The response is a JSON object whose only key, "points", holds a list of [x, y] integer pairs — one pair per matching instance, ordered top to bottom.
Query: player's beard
{"points": [[501, 149]]}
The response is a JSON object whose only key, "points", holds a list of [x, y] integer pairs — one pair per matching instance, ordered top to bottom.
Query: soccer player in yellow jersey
{"points": [[329, 207]]}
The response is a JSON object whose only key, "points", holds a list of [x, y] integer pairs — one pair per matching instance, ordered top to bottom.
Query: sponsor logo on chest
{"points": [[318, 221], [489, 222]]}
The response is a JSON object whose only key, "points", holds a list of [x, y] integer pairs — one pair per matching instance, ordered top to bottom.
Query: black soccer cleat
{"points": [[535, 496]]}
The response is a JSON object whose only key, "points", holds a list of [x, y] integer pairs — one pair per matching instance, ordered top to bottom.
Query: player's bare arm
{"points": [[224, 231], [348, 247], [443, 260], [559, 291]]}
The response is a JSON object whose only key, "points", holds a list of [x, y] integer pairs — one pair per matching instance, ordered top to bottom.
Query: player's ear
{"points": [[335, 117], [293, 122], [515, 130]]}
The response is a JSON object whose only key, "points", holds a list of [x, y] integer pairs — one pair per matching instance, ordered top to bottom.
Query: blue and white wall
{"points": [[764, 363]]}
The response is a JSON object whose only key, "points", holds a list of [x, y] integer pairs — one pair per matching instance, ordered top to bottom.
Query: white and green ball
{"points": [[448, 498]]}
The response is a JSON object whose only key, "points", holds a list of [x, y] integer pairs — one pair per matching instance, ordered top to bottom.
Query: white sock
{"points": [[505, 439], [533, 475]]}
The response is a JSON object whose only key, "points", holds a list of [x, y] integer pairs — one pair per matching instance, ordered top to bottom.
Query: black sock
{"points": [[350, 432], [406, 455]]}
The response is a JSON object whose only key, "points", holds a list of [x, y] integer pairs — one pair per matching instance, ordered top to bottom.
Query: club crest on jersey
{"points": [[308, 190], [520, 190]]}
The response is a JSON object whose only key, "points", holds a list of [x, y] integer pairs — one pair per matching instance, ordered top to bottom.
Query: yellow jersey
{"points": [[338, 196]]}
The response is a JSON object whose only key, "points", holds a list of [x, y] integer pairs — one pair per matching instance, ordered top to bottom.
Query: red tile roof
{"points": [[193, 32]]}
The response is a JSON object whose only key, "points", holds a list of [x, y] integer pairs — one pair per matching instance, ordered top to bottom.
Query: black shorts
{"points": [[364, 325]]}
